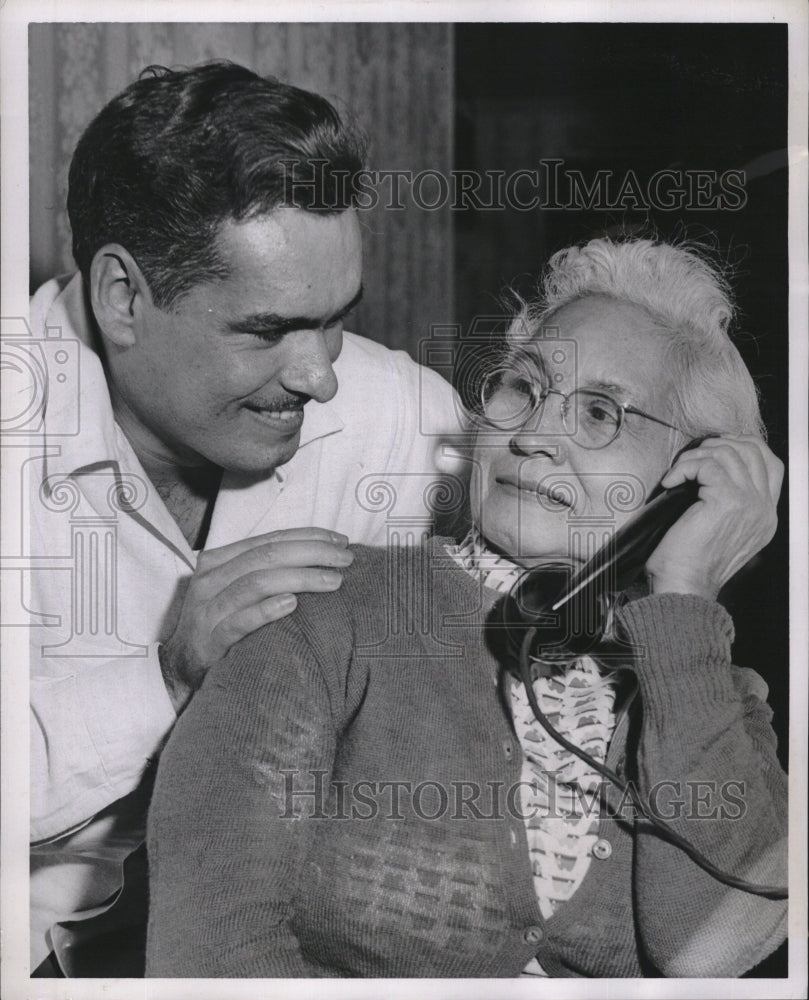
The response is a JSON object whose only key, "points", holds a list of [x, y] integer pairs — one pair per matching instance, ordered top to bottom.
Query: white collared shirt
{"points": [[108, 563]]}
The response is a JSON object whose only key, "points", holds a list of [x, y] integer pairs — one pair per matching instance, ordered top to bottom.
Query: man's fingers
{"points": [[276, 556], [211, 558], [255, 584], [255, 588], [236, 626]]}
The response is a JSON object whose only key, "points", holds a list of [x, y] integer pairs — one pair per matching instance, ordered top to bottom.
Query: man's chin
{"points": [[261, 462]]}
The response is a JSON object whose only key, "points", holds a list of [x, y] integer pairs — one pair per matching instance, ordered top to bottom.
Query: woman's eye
{"points": [[519, 386], [600, 413]]}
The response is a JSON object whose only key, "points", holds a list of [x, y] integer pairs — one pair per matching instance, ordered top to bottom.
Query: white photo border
{"points": [[15, 15]]}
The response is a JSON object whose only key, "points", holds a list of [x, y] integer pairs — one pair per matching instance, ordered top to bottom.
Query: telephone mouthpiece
{"points": [[562, 634]]}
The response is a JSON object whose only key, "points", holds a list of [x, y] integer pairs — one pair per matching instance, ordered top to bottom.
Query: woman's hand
{"points": [[733, 519]]}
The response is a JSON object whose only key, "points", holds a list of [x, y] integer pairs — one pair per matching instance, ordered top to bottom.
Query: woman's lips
{"points": [[533, 491]]}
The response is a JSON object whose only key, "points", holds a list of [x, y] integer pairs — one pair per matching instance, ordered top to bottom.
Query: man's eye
{"points": [[268, 336]]}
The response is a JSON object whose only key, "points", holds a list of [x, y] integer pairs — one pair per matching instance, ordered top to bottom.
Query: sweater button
{"points": [[508, 749], [602, 849], [533, 935]]}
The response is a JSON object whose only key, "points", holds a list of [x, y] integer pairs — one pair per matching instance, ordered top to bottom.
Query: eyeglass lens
{"points": [[511, 398]]}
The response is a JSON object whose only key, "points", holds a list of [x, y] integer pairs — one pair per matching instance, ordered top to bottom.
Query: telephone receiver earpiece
{"points": [[571, 613]]}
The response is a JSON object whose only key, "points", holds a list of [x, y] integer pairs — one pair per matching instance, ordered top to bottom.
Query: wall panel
{"points": [[396, 78]]}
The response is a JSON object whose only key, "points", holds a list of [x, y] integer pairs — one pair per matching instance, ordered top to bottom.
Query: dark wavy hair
{"points": [[178, 152]]}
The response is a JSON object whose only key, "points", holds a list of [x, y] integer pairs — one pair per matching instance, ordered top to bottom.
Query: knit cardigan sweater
{"points": [[341, 799]]}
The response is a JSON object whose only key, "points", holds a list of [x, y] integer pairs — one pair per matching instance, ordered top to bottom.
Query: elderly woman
{"points": [[363, 788]]}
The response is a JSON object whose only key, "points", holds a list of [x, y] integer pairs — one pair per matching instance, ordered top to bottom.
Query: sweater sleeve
{"points": [[707, 765], [235, 806]]}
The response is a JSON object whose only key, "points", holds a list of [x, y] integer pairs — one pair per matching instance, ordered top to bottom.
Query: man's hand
{"points": [[733, 519], [240, 587]]}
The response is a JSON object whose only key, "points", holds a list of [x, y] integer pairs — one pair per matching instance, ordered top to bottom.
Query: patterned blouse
{"points": [[561, 818]]}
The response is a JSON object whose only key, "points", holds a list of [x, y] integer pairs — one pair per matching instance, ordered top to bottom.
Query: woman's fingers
{"points": [[735, 516]]}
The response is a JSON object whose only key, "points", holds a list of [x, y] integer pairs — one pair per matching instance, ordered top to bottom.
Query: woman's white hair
{"points": [[686, 295]]}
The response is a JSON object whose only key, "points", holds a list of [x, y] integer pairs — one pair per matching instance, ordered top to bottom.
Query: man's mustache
{"points": [[281, 404]]}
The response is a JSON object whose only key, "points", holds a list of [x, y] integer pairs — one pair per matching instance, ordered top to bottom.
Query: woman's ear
{"points": [[118, 292]]}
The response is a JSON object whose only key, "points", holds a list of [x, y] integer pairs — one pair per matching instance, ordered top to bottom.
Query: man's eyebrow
{"points": [[257, 322]]}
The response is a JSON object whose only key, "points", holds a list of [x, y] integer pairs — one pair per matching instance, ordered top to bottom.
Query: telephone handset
{"points": [[572, 613]]}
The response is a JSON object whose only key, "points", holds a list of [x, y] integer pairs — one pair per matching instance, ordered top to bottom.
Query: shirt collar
{"points": [[88, 407], [321, 419], [493, 570]]}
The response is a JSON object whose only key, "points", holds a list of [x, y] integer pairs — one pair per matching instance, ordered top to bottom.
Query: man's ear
{"points": [[118, 292]]}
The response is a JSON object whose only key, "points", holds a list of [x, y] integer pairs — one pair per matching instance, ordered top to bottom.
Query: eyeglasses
{"points": [[510, 397]]}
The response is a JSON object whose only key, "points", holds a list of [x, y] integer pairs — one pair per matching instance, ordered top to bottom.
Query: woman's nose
{"points": [[543, 433], [531, 445]]}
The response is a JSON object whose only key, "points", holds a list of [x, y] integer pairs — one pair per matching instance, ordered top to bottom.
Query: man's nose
{"points": [[310, 369]]}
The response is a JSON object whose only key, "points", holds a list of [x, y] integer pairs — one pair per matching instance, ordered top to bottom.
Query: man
{"points": [[219, 257]]}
